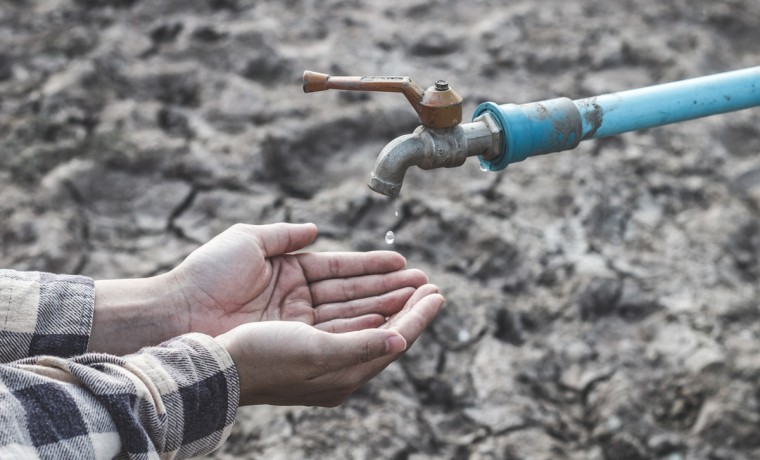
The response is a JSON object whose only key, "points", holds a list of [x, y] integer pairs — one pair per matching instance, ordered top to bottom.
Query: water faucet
{"points": [[503, 134], [440, 142], [430, 148]]}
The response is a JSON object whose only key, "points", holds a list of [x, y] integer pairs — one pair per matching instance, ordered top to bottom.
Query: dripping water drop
{"points": [[483, 168], [389, 237]]}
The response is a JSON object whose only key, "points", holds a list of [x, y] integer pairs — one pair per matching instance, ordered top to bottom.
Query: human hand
{"points": [[247, 274], [292, 363]]}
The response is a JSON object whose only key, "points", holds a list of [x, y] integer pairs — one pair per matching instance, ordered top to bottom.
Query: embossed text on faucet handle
{"points": [[438, 107]]}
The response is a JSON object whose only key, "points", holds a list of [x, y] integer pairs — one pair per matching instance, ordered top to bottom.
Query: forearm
{"points": [[135, 313]]}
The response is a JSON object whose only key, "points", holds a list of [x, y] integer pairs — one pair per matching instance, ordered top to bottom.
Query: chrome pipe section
{"points": [[430, 148]]}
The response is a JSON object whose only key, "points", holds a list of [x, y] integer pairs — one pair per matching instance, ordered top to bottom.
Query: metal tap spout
{"points": [[430, 148], [388, 174]]}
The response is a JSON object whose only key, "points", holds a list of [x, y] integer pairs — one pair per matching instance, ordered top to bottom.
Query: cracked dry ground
{"points": [[602, 304]]}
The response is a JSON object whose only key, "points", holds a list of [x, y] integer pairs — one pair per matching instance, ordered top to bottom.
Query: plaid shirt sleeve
{"points": [[44, 314], [176, 400]]}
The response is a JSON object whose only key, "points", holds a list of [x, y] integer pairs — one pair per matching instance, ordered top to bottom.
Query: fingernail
{"points": [[395, 344]]}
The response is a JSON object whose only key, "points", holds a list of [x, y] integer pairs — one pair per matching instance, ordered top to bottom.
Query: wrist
{"points": [[134, 313], [227, 343]]}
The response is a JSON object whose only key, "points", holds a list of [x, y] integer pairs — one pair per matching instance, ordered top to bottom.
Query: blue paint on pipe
{"points": [[561, 124]]}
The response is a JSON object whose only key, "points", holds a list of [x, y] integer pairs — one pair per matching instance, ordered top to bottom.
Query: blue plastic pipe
{"points": [[561, 124]]}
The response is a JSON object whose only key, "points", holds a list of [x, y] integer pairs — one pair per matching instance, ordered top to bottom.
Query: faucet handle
{"points": [[315, 81], [439, 106]]}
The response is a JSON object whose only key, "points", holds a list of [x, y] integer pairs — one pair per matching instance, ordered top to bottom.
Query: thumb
{"points": [[282, 238], [353, 348]]}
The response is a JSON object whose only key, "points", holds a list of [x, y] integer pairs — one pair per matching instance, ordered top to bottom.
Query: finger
{"points": [[282, 238], [326, 265], [359, 287], [419, 294], [386, 305], [412, 322], [352, 324], [410, 325], [358, 347]]}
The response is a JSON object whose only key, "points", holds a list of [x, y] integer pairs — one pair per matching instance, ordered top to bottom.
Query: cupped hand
{"points": [[248, 273], [292, 363]]}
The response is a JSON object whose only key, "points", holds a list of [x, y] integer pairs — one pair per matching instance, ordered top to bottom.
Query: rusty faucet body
{"points": [[503, 134]]}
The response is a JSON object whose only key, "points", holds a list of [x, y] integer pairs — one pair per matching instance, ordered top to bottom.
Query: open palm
{"points": [[248, 273]]}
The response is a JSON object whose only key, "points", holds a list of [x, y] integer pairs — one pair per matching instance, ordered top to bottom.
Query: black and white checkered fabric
{"points": [[44, 314], [175, 400]]}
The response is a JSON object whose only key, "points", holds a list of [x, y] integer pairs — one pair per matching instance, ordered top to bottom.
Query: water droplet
{"points": [[483, 168], [396, 212], [389, 237], [463, 335], [614, 423]]}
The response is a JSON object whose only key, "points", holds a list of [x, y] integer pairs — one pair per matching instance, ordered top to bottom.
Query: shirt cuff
{"points": [[200, 390]]}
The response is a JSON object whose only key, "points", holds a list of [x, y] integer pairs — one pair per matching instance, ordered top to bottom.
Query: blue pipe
{"points": [[561, 124]]}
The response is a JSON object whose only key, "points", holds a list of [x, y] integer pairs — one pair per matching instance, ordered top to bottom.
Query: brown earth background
{"points": [[602, 303]]}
